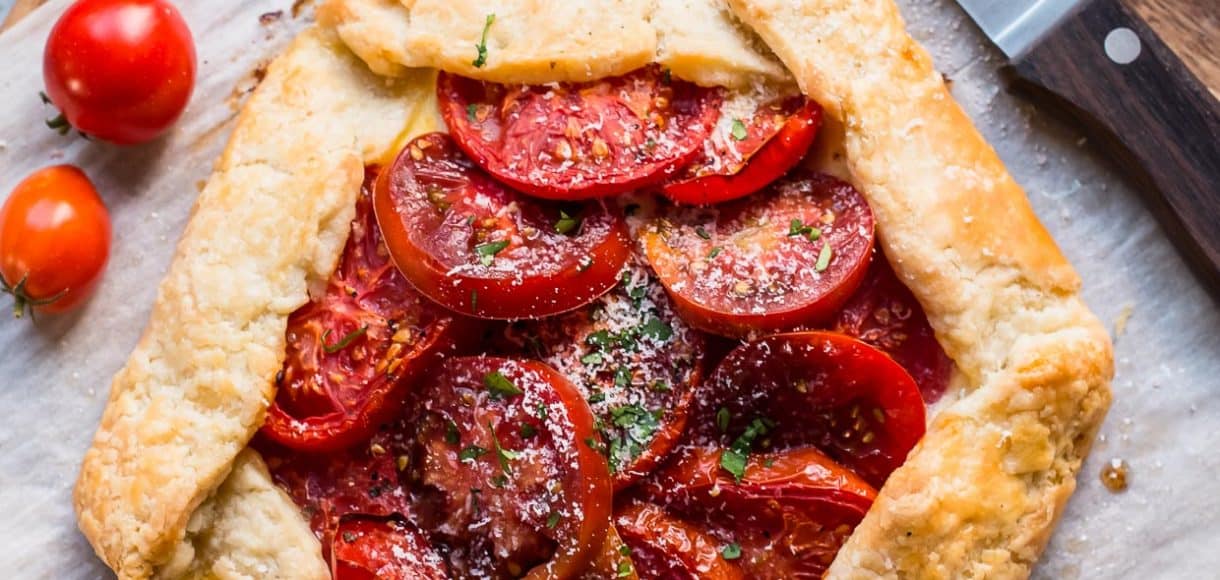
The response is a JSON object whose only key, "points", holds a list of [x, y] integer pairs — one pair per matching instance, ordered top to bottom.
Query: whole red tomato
{"points": [[120, 70], [54, 240]]}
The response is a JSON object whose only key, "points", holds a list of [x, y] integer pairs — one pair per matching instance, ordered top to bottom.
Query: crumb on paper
{"points": [[299, 6], [269, 18], [1120, 323]]}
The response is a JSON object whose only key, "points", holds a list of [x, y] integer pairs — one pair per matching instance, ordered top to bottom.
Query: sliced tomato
{"points": [[576, 141], [746, 154], [479, 248], [787, 257], [885, 314], [353, 353], [635, 362], [812, 388], [506, 470], [363, 480], [786, 517], [664, 547], [369, 549], [612, 561]]}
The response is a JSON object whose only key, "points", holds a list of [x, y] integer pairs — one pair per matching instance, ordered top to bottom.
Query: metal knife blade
{"points": [[1016, 25]]}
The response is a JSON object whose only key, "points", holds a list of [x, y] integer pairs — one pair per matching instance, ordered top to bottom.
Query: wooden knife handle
{"points": [[1105, 66]]}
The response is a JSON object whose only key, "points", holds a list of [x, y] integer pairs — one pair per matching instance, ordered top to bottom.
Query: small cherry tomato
{"points": [[120, 70], [576, 141], [744, 155], [54, 240], [481, 249], [786, 257], [885, 314], [354, 352], [633, 359], [824, 389], [508, 470], [786, 516], [664, 547], [373, 548]]}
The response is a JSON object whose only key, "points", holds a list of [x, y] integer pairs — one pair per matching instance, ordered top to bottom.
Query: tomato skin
{"points": [[120, 70], [579, 141], [780, 153], [436, 210], [54, 235], [737, 270], [885, 314], [372, 331], [629, 354], [824, 389], [497, 506], [790, 512], [664, 547], [367, 549]]}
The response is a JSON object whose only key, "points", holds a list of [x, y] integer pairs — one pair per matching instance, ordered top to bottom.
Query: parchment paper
{"points": [[54, 375]]}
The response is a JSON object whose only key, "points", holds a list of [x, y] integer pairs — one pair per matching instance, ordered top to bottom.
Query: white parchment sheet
{"points": [[54, 375]]}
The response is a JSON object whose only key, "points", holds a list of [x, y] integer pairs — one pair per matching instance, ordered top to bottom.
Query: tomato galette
{"points": [[694, 289]]}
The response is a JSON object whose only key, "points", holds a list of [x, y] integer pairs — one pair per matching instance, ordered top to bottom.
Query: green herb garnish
{"points": [[480, 58], [472, 114], [739, 130], [566, 223], [487, 252], [823, 258], [343, 342], [499, 386], [452, 436], [471, 453], [504, 455], [731, 551]]}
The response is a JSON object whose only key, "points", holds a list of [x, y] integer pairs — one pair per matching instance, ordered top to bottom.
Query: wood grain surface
{"points": [[1189, 27]]}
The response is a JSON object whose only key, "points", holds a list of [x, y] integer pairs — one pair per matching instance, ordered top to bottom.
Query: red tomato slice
{"points": [[576, 141], [772, 141], [479, 248], [784, 258], [885, 314], [353, 353], [635, 362], [812, 388], [507, 472], [360, 480], [787, 517], [664, 547], [368, 549]]}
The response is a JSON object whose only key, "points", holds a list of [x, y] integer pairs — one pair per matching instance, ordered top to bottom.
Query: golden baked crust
{"points": [[577, 40], [271, 221], [981, 493], [978, 497], [248, 530]]}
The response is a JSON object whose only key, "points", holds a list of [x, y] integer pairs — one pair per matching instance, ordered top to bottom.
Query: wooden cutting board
{"points": [[1187, 26]]}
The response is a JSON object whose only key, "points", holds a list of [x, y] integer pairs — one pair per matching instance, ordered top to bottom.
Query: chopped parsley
{"points": [[480, 58], [472, 111], [739, 130], [566, 223], [798, 228], [702, 233], [487, 252], [715, 252], [823, 258], [655, 329], [600, 339], [343, 342], [593, 358], [622, 376], [499, 386], [660, 386], [596, 398], [542, 411], [722, 419], [637, 426], [528, 431], [451, 433], [595, 445], [471, 453], [504, 455], [734, 458], [552, 520], [349, 537], [624, 550], [731, 551], [624, 569]]}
